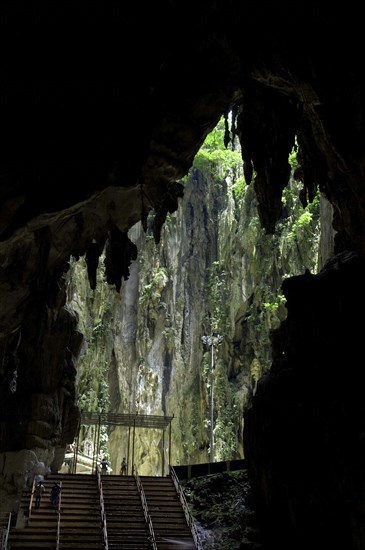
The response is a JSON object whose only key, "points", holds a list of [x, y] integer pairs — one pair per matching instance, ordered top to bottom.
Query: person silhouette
{"points": [[104, 466], [123, 467], [38, 491], [55, 494]]}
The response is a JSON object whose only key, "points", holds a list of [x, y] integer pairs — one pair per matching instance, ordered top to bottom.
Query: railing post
{"points": [[134, 434], [163, 452], [31, 500], [102, 511], [147, 516], [188, 516], [59, 519], [5, 535]]}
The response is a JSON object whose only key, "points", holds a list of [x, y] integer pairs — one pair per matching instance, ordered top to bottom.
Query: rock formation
{"points": [[104, 106], [214, 271]]}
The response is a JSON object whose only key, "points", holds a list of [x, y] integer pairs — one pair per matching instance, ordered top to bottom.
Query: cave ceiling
{"points": [[105, 104]]}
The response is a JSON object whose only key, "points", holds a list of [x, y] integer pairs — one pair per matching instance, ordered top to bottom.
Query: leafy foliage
{"points": [[220, 161], [153, 290], [216, 290], [94, 311], [221, 505]]}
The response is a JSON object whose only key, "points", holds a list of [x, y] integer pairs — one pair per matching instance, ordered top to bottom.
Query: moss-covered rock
{"points": [[221, 507]]}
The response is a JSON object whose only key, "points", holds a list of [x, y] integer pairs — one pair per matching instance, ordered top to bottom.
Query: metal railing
{"points": [[31, 500], [102, 511], [147, 516], [188, 516], [59, 519], [5, 534]]}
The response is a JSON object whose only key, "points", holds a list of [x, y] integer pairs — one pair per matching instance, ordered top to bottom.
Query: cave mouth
{"points": [[148, 292]]}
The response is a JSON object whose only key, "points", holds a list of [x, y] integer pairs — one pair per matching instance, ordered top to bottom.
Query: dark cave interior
{"points": [[104, 106]]}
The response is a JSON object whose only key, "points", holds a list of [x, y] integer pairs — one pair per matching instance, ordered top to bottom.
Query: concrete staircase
{"points": [[80, 513], [80, 517], [168, 518], [125, 520], [80, 525]]}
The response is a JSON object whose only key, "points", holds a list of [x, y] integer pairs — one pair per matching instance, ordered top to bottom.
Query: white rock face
{"points": [[18, 472]]}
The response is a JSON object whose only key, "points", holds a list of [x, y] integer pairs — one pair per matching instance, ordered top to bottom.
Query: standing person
{"points": [[71, 463], [104, 466], [123, 467], [38, 491], [55, 494]]}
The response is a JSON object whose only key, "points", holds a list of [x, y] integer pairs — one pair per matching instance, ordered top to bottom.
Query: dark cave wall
{"points": [[38, 389], [305, 433]]}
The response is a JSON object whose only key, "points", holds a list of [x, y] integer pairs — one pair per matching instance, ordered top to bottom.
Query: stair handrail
{"points": [[31, 499], [102, 511], [147, 516], [188, 516], [59, 518], [5, 535]]}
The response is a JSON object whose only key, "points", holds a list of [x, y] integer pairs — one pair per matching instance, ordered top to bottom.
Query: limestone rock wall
{"points": [[214, 270]]}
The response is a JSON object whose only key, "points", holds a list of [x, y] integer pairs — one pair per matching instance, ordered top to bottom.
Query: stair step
{"points": [[65, 511], [72, 519], [165, 523], [136, 524], [128, 535], [33, 536], [81, 537], [134, 543], [79, 544], [32, 545]]}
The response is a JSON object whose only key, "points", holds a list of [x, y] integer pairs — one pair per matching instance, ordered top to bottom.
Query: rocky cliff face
{"points": [[214, 271]]}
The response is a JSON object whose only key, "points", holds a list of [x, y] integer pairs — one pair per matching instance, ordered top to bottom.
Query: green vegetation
{"points": [[293, 160], [220, 161], [299, 224], [268, 259], [153, 290], [216, 292], [242, 300], [274, 306], [95, 314], [225, 429], [221, 505]]}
